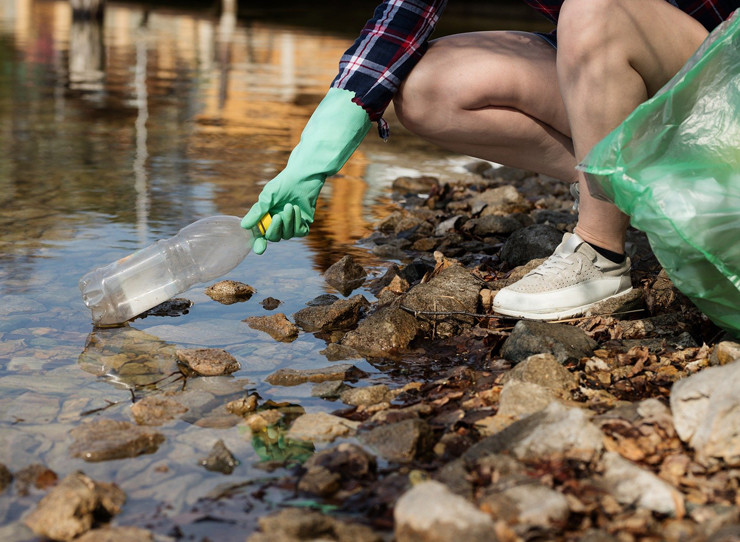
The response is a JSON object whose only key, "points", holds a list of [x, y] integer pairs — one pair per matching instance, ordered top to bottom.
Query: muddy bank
{"points": [[620, 425]]}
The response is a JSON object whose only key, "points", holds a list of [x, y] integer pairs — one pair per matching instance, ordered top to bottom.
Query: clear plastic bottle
{"points": [[202, 251]]}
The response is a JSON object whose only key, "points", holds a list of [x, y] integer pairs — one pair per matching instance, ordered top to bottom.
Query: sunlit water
{"points": [[115, 135]]}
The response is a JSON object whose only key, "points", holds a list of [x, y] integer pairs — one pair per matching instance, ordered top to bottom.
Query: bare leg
{"points": [[612, 56], [493, 95]]}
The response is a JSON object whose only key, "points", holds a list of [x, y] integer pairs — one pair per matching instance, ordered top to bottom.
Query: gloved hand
{"points": [[332, 134]]}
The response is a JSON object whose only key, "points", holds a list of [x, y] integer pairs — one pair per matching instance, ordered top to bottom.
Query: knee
{"points": [[585, 31], [425, 94]]}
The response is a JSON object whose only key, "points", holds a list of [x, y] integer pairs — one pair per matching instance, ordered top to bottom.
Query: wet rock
{"points": [[415, 185], [492, 225], [536, 241], [391, 251], [345, 275], [452, 290], [228, 292], [321, 300], [270, 303], [171, 308], [342, 314], [276, 325], [387, 329], [566, 343], [338, 352], [725, 352], [207, 361], [544, 370], [293, 377], [328, 389], [370, 395], [518, 400], [243, 406], [705, 407], [156, 410], [263, 419], [322, 427], [556, 432], [103, 440], [400, 442], [220, 459], [328, 470], [35, 475], [6, 477], [635, 486], [527, 502], [70, 508], [429, 512], [297, 525], [117, 534]]}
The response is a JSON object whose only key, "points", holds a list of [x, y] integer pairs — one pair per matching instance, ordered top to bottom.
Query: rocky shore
{"points": [[621, 425]]}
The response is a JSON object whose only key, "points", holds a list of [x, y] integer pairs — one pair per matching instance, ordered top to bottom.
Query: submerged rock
{"points": [[345, 275], [276, 326], [207, 361], [294, 377], [370, 395], [156, 410], [103, 440], [220, 459], [35, 475], [6, 477], [70, 508], [117, 534]]}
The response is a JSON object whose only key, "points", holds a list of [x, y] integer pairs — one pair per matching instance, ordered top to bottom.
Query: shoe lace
{"points": [[556, 264]]}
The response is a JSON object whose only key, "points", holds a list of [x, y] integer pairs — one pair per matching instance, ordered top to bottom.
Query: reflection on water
{"points": [[121, 130]]}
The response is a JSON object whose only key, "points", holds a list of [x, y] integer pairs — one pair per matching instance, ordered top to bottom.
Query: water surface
{"points": [[119, 133]]}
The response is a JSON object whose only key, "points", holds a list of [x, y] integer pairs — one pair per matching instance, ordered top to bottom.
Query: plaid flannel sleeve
{"points": [[389, 46]]}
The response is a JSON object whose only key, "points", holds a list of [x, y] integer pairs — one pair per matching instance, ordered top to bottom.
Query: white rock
{"points": [[429, 512]]}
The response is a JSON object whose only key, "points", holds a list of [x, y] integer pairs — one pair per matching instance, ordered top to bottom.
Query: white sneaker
{"points": [[570, 281]]}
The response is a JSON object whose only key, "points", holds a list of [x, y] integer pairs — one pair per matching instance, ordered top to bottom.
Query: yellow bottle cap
{"points": [[264, 223]]}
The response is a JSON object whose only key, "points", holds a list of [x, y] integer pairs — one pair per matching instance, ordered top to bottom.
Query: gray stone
{"points": [[415, 185], [502, 200], [492, 225], [525, 244], [345, 275], [453, 290], [228, 292], [342, 314], [276, 326], [387, 329], [566, 343], [337, 352], [725, 352], [207, 361], [544, 370], [294, 377], [328, 389], [370, 395], [518, 400], [705, 407], [321, 427], [556, 432], [103, 440], [400, 442], [220, 459], [635, 486], [522, 500], [70, 508], [429, 512], [299, 524]]}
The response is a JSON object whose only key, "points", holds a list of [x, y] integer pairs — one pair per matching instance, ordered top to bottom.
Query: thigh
{"points": [[479, 70]]}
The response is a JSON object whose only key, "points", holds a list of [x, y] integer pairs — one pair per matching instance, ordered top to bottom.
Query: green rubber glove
{"points": [[332, 134]]}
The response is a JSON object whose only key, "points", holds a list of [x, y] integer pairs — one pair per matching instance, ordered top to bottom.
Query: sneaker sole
{"points": [[559, 314]]}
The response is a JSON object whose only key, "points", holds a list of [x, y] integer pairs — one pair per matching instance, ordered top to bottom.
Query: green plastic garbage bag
{"points": [[673, 166]]}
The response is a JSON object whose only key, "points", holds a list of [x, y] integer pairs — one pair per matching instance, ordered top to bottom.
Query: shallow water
{"points": [[114, 135]]}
